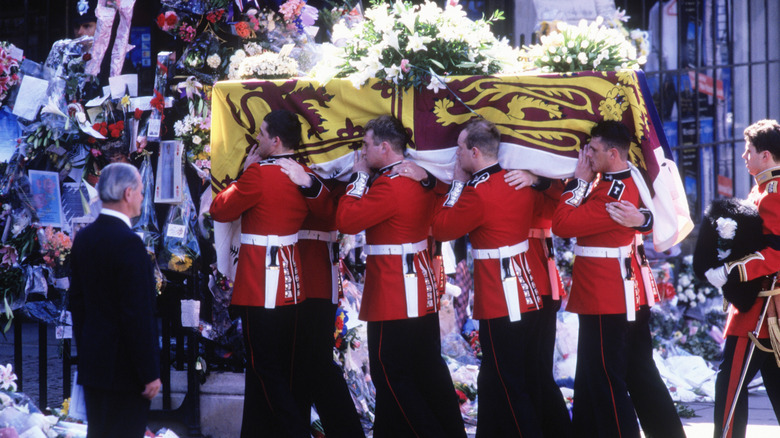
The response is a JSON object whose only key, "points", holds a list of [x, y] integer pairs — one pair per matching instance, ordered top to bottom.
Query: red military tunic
{"points": [[766, 195], [268, 203], [393, 211], [494, 215], [541, 222], [316, 241], [598, 287]]}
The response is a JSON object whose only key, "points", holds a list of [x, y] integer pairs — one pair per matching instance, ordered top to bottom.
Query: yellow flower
{"points": [[125, 101], [614, 105], [180, 262]]}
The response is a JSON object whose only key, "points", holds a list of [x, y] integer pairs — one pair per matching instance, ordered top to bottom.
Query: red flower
{"points": [[171, 18], [161, 21], [242, 29], [86, 57], [158, 102], [137, 114], [103, 132]]}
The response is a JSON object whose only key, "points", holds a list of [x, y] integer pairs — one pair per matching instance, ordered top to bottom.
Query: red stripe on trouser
{"points": [[252, 360], [498, 371], [606, 374], [734, 377], [387, 380]]}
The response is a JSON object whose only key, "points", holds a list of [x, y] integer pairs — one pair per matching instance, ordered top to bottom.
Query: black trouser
{"points": [[734, 357], [615, 375], [320, 379], [414, 392], [269, 406], [506, 408], [115, 413], [553, 414]]}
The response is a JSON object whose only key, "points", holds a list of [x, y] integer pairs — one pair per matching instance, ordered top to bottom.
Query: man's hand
{"points": [[252, 157], [360, 164], [410, 170], [583, 170], [295, 171], [460, 174], [520, 178], [626, 214], [151, 389]]}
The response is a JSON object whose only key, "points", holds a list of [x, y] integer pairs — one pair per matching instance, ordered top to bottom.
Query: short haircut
{"points": [[285, 125], [389, 129], [483, 134], [614, 134], [765, 136], [114, 179]]}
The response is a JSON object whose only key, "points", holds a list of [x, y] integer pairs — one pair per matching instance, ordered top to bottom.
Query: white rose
{"points": [[196, 139], [726, 227]]}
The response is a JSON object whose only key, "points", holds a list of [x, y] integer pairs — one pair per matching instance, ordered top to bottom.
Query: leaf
{"points": [[436, 63]]}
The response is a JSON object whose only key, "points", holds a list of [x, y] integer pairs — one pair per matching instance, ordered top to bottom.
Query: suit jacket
{"points": [[112, 299]]}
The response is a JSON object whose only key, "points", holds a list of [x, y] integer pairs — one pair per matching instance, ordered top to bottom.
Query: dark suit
{"points": [[112, 298]]}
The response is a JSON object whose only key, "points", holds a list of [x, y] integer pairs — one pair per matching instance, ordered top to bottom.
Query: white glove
{"points": [[717, 276]]}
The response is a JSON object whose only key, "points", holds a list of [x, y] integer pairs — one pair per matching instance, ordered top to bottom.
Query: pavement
{"points": [[761, 422]]}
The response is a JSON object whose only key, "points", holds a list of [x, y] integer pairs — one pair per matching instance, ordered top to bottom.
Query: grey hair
{"points": [[114, 179]]}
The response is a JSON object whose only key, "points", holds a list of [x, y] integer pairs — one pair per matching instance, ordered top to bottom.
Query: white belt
{"points": [[539, 233], [325, 236], [260, 240], [271, 244], [404, 248], [500, 253], [621, 253], [409, 272]]}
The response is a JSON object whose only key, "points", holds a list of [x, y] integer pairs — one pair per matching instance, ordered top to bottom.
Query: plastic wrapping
{"points": [[198, 59], [146, 227], [180, 243]]}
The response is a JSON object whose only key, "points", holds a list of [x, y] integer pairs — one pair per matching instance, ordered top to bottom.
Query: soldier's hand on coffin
{"points": [[252, 157], [410, 170], [583, 170], [295, 171], [519, 178], [625, 214], [717, 276]]}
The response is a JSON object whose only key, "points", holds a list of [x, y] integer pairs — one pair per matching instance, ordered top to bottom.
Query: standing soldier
{"points": [[762, 159], [506, 282], [268, 284], [614, 353], [321, 380], [414, 391], [554, 417]]}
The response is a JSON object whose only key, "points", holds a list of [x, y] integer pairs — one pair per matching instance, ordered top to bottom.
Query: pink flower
{"points": [[405, 65]]}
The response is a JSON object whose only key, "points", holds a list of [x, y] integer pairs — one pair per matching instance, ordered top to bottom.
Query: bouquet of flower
{"points": [[639, 38], [416, 45], [587, 46], [264, 65], [9, 72], [195, 133], [55, 247], [691, 291]]}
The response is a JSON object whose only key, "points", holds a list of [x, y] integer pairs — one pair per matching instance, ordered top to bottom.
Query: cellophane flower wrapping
{"points": [[146, 226], [180, 243]]}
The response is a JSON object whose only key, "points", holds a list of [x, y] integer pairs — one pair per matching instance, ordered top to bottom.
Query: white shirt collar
{"points": [[116, 214]]}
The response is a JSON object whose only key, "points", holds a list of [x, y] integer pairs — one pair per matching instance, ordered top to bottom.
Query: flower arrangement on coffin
{"points": [[639, 38], [416, 46], [587, 46], [263, 65], [9, 71]]}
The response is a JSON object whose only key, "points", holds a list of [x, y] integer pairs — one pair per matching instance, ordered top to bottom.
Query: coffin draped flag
{"points": [[544, 120]]}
